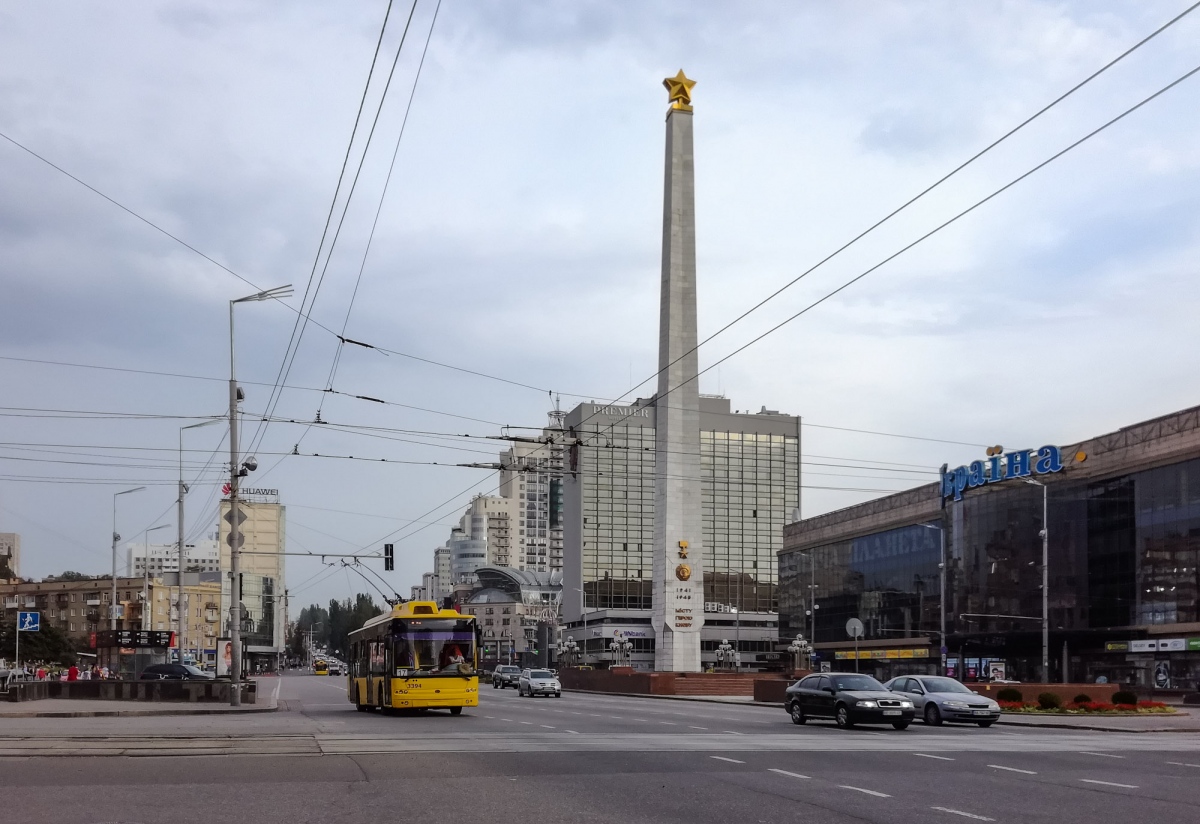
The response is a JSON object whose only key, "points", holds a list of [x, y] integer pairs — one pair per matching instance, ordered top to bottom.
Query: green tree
{"points": [[71, 575], [49, 644]]}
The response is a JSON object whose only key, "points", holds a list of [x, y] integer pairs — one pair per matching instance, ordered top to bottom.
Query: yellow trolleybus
{"points": [[417, 656], [320, 667]]}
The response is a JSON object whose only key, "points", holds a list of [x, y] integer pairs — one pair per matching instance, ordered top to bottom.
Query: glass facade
{"points": [[750, 485], [1124, 557]]}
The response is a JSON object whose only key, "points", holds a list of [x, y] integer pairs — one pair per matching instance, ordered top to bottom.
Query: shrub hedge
{"points": [[1009, 694], [1124, 697], [1082, 698], [1049, 701]]}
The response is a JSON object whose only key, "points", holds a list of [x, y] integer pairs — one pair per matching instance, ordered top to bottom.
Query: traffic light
{"points": [[389, 557]]}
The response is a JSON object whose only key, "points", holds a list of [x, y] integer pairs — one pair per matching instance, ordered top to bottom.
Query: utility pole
{"points": [[235, 534]]}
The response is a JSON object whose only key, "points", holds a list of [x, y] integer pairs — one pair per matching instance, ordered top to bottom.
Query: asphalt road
{"points": [[581, 758]]}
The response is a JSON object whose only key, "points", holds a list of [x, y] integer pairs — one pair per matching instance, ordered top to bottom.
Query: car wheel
{"points": [[495, 686], [558, 695], [456, 710], [796, 713], [933, 716], [843, 717], [986, 724], [900, 725]]}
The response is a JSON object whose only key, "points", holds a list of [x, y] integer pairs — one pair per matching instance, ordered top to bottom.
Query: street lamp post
{"points": [[236, 470], [1045, 536], [146, 573], [942, 599], [112, 607], [181, 624], [737, 639]]}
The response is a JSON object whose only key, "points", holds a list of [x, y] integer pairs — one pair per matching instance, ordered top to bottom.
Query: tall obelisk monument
{"points": [[678, 542]]}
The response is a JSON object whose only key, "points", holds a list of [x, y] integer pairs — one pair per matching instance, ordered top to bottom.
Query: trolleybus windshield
{"points": [[433, 646]]}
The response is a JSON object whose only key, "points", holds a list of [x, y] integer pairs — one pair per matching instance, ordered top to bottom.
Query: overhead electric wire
{"points": [[303, 312], [301, 323]]}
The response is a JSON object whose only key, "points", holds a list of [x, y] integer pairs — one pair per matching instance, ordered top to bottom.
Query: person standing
{"points": [[72, 673]]}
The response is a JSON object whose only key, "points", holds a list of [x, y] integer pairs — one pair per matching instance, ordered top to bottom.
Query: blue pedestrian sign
{"points": [[29, 622]]}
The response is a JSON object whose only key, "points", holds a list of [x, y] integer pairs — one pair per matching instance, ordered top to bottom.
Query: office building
{"points": [[749, 485], [1123, 550], [156, 559], [263, 567]]}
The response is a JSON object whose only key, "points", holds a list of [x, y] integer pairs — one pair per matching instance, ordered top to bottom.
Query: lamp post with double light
{"points": [[237, 469], [146, 574], [112, 607]]}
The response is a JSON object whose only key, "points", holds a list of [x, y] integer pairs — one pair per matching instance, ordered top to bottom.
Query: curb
{"points": [[696, 698], [137, 713], [1091, 727]]}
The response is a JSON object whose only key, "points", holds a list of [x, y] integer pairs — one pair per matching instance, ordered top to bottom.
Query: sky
{"points": [[519, 242]]}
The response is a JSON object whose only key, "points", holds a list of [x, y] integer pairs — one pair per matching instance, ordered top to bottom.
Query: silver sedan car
{"points": [[937, 699]]}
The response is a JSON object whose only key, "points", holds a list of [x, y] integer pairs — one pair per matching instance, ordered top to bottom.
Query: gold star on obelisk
{"points": [[679, 89]]}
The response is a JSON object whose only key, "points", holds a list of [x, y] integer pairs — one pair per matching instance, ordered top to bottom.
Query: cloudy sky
{"points": [[520, 238]]}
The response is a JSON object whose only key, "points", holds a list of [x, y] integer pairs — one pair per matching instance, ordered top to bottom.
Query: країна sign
{"points": [[1019, 464]]}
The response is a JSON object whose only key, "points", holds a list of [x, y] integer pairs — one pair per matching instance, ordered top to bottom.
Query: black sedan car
{"points": [[174, 672], [847, 698]]}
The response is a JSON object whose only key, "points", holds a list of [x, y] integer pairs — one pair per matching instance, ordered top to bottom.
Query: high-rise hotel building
{"points": [[750, 485]]}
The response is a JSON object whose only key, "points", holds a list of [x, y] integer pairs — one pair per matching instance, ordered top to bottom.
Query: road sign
{"points": [[228, 516], [235, 539], [29, 621], [854, 628], [945, 649]]}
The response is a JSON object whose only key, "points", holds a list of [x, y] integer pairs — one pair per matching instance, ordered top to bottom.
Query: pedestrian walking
{"points": [[72, 673]]}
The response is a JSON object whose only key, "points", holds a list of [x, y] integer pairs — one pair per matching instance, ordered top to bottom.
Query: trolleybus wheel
{"points": [[456, 710]]}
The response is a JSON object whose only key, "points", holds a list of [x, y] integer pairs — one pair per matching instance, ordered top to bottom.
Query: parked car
{"points": [[174, 672], [505, 675], [538, 682], [847, 698], [938, 698]]}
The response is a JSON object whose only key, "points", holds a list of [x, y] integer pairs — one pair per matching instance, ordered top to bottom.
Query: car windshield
{"points": [[510, 669], [193, 670], [541, 674], [856, 682], [942, 685]]}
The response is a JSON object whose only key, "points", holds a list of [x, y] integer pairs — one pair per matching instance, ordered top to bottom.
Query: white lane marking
{"points": [[595, 715], [490, 716], [615, 717], [509, 720], [643, 720], [530, 723], [672, 724], [547, 726], [694, 727], [573, 732], [733, 732], [1101, 754], [938, 757], [730, 760], [1182, 764], [1011, 769], [785, 772], [1109, 783], [861, 790], [964, 815]]}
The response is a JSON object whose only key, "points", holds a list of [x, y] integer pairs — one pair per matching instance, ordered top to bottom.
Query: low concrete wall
{"points": [[626, 680], [169, 691], [1067, 692]]}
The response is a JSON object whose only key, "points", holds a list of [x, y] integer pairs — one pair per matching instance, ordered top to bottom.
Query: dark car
{"points": [[174, 672], [506, 675], [848, 698]]}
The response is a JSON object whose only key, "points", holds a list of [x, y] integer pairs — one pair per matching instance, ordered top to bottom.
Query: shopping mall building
{"points": [[1122, 542]]}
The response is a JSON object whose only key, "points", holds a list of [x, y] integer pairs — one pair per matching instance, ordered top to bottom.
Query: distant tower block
{"points": [[678, 542]]}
